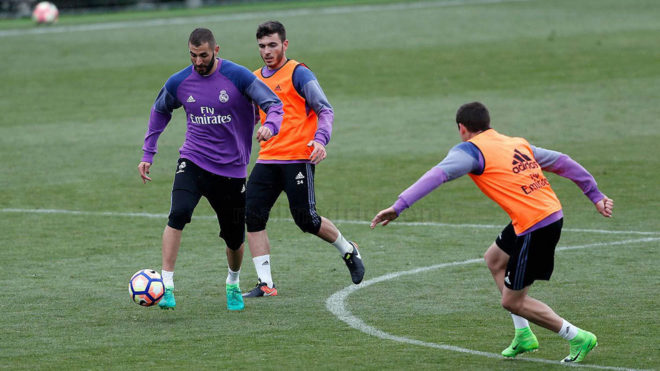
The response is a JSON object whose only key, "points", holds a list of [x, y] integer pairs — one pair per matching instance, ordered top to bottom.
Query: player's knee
{"points": [[179, 217], [255, 221], [308, 222], [234, 239], [234, 245], [488, 259], [495, 260], [492, 264], [512, 304]]}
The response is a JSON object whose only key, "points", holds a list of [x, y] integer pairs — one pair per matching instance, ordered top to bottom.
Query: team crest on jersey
{"points": [[223, 97]]}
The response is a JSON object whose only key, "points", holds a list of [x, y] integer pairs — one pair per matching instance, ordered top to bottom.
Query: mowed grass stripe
{"points": [[337, 10], [345, 221]]}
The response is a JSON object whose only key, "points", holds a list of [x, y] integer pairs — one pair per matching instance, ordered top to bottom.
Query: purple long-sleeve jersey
{"points": [[306, 84], [220, 116], [466, 158]]}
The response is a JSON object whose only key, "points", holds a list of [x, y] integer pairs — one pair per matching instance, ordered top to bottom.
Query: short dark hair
{"points": [[271, 27], [200, 36], [474, 116]]}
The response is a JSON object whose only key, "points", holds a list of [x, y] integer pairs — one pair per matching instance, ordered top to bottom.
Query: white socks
{"points": [[342, 245], [262, 263], [262, 266], [232, 277], [168, 278], [519, 322], [568, 331]]}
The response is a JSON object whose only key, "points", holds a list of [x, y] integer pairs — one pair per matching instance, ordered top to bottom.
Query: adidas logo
{"points": [[277, 88], [191, 99], [519, 157], [522, 162], [300, 176], [265, 263]]}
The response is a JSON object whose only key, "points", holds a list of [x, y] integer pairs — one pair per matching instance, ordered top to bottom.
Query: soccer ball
{"points": [[45, 13], [146, 287]]}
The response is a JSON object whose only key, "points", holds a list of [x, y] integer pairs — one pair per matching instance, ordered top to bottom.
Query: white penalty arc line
{"points": [[250, 16], [345, 221], [336, 304]]}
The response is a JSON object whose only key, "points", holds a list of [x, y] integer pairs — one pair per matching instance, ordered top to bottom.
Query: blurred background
{"points": [[23, 8]]}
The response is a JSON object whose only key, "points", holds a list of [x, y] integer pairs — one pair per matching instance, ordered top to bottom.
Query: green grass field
{"points": [[580, 77]]}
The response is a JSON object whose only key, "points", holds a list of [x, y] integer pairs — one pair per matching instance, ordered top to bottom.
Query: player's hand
{"points": [[264, 133], [318, 154], [143, 168], [605, 207], [385, 217]]}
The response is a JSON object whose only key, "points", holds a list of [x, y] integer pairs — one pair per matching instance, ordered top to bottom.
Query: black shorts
{"points": [[266, 183], [225, 195], [531, 257]]}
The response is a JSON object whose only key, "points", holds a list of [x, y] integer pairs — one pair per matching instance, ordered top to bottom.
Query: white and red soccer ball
{"points": [[45, 13], [146, 287]]}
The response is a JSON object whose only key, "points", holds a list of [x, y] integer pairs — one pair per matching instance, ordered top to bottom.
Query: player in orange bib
{"points": [[286, 163], [509, 171]]}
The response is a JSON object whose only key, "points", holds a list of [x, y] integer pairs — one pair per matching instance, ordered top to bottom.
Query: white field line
{"points": [[248, 16], [339, 221], [336, 304]]}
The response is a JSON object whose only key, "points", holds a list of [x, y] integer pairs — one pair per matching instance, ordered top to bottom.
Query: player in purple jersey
{"points": [[219, 99], [287, 163], [517, 258]]}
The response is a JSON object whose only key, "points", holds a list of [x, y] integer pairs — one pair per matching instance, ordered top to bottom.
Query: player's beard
{"points": [[276, 59], [205, 69]]}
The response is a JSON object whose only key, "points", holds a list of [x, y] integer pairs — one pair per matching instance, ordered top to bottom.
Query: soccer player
{"points": [[218, 97], [287, 162], [509, 171]]}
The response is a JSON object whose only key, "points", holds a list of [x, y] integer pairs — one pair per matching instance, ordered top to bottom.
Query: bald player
{"points": [[218, 97]]}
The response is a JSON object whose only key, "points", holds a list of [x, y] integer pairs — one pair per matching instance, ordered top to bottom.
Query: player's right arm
{"points": [[161, 114], [462, 159]]}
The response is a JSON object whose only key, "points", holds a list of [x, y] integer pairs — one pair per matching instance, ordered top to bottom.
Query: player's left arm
{"points": [[309, 88], [564, 166]]}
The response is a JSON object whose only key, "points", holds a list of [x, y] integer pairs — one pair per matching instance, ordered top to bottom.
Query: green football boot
{"points": [[234, 297], [167, 302], [523, 342], [581, 345]]}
